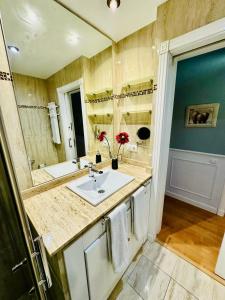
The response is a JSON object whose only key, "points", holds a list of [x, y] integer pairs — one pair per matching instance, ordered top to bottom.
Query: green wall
{"points": [[200, 80]]}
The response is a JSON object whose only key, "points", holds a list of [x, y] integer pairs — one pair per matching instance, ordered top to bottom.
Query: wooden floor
{"points": [[192, 233]]}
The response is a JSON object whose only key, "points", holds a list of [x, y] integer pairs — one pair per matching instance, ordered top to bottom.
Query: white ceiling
{"points": [[128, 18], [48, 36]]}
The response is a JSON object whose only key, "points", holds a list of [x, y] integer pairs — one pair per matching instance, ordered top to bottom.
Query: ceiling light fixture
{"points": [[113, 4], [14, 49]]}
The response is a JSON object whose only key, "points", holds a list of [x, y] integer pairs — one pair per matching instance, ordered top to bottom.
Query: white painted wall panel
{"points": [[196, 178]]}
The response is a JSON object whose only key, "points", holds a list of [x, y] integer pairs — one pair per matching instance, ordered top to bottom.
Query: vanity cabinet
{"points": [[90, 273]]}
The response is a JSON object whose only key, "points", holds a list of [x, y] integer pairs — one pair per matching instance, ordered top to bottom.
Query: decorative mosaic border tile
{"points": [[5, 76], [124, 95], [32, 106]]}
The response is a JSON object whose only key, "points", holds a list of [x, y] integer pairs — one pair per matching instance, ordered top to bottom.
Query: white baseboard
{"points": [[192, 202], [221, 212], [151, 237]]}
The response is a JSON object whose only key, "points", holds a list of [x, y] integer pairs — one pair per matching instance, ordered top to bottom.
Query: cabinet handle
{"points": [[70, 142], [19, 265]]}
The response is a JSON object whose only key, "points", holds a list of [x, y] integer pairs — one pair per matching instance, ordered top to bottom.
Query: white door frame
{"points": [[201, 37], [65, 112]]}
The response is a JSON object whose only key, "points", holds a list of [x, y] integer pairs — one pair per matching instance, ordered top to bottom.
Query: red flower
{"points": [[101, 136], [122, 138]]}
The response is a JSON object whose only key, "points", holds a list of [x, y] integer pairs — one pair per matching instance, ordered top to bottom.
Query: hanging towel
{"points": [[54, 123], [141, 213], [119, 237]]}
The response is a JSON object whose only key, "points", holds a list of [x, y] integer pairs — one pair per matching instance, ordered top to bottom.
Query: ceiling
{"points": [[128, 18], [49, 37]]}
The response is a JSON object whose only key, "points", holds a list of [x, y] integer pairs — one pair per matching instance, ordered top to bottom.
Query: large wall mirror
{"points": [[62, 74]]}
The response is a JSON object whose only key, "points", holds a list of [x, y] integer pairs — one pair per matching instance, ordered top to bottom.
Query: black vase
{"points": [[115, 163]]}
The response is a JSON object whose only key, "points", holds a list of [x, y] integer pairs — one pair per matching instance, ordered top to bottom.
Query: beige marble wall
{"points": [[176, 17], [136, 56], [135, 59], [97, 75], [35, 122], [12, 124]]}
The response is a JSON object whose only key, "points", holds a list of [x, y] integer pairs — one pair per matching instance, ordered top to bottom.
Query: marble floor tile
{"points": [[161, 256], [132, 265], [192, 279], [148, 280], [218, 291], [177, 292], [128, 293]]}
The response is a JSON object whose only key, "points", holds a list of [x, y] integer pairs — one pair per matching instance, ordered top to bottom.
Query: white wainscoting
{"points": [[197, 178]]}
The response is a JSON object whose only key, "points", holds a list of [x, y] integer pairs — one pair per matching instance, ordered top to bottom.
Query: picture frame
{"points": [[202, 115]]}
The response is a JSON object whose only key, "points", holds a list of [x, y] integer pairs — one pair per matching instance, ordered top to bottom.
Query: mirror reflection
{"points": [[62, 88]]}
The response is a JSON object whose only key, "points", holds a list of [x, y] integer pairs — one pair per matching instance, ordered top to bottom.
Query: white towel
{"points": [[54, 123], [141, 213], [119, 237]]}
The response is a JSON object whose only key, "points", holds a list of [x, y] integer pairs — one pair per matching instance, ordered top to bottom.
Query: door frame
{"points": [[168, 57], [65, 112]]}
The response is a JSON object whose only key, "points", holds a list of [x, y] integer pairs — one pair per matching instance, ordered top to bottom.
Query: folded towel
{"points": [[54, 123], [141, 213], [119, 237]]}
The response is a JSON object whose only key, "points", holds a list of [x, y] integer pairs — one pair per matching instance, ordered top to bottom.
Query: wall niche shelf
{"points": [[138, 85], [107, 92], [137, 117], [101, 118]]}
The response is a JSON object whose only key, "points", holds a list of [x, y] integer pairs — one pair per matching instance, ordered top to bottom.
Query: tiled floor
{"points": [[159, 274]]}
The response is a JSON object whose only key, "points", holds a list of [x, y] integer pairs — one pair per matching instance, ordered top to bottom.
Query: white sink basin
{"points": [[65, 168], [97, 189]]}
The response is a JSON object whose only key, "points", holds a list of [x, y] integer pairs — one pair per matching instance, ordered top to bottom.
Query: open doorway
{"points": [[73, 119], [77, 126], [196, 167]]}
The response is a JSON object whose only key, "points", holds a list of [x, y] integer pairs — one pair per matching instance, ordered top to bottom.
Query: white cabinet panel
{"points": [[220, 265], [76, 271], [100, 272], [90, 274]]}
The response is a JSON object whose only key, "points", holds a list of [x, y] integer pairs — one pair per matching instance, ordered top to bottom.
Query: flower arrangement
{"points": [[101, 137], [121, 138]]}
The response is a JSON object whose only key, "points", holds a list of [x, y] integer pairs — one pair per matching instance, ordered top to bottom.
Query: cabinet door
{"points": [[76, 271], [100, 272]]}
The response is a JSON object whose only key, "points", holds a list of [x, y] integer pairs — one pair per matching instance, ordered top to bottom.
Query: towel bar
{"points": [[146, 183], [132, 214], [106, 222]]}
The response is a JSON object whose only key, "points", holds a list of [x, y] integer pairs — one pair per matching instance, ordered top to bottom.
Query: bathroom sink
{"points": [[65, 168], [97, 189]]}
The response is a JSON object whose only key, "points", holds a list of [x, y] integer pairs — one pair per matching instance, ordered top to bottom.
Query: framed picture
{"points": [[204, 115]]}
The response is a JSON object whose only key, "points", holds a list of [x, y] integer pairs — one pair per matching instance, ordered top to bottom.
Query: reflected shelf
{"points": [[101, 94], [101, 118]]}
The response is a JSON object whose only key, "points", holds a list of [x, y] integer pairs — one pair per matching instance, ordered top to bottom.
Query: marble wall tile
{"points": [[161, 257], [148, 280], [193, 280], [177, 292]]}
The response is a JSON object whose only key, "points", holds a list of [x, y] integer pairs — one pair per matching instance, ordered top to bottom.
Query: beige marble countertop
{"points": [[60, 215]]}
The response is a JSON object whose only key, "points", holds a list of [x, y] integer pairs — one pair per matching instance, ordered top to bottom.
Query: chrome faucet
{"points": [[92, 170]]}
